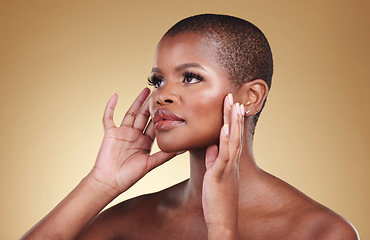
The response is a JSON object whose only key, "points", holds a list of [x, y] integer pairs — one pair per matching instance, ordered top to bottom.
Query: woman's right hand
{"points": [[124, 156], [123, 159]]}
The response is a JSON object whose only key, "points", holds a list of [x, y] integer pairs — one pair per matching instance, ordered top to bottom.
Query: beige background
{"points": [[61, 60]]}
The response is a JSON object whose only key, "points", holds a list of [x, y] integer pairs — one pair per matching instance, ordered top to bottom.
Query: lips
{"points": [[165, 120]]}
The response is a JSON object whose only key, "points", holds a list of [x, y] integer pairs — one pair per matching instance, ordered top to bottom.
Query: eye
{"points": [[190, 77], [155, 81]]}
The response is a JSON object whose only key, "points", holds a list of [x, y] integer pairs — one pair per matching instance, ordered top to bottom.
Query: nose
{"points": [[167, 95]]}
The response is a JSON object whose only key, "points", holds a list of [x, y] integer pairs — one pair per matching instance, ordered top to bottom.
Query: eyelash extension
{"points": [[192, 75], [153, 80]]}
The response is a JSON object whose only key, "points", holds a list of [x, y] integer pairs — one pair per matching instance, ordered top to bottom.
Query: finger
{"points": [[228, 103], [109, 111], [242, 111], [129, 117], [142, 117], [149, 131], [235, 131], [239, 151], [223, 154], [211, 155], [158, 158]]}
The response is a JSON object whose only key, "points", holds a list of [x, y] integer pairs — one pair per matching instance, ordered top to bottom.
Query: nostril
{"points": [[166, 101]]}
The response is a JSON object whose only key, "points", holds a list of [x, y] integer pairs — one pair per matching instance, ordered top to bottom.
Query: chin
{"points": [[170, 147]]}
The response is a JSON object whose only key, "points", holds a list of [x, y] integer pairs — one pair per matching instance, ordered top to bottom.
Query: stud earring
{"points": [[247, 112]]}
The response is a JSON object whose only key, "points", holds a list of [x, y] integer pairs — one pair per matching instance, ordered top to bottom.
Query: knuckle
{"points": [[130, 114], [146, 114], [105, 118], [105, 121]]}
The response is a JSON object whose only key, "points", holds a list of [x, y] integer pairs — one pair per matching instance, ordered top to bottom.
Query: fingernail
{"points": [[230, 96], [237, 108], [242, 111], [226, 129]]}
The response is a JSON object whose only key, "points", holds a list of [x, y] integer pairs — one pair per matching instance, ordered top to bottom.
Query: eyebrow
{"points": [[182, 67]]}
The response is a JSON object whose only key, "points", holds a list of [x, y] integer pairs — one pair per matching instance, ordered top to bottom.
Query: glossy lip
{"points": [[164, 119]]}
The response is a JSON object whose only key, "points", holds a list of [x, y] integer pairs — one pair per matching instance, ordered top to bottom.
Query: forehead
{"points": [[186, 47]]}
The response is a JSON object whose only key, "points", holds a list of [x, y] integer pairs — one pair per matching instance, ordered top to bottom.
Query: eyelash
{"points": [[192, 75], [155, 80]]}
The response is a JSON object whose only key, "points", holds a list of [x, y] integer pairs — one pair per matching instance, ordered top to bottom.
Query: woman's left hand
{"points": [[221, 181]]}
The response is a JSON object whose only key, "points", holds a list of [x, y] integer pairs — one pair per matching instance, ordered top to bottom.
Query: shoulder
{"points": [[293, 215], [129, 217], [122, 218], [309, 219], [312, 220], [322, 223]]}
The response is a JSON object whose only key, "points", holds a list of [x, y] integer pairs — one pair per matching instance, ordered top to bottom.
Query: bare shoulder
{"points": [[287, 213], [126, 215], [133, 218], [312, 220], [320, 222]]}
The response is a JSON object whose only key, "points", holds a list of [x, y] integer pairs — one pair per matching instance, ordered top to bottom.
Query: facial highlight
{"points": [[189, 88]]}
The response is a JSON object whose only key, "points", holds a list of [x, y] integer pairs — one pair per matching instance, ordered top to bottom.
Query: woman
{"points": [[211, 77]]}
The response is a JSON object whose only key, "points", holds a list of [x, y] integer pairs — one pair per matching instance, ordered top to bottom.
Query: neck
{"points": [[250, 176], [248, 182], [195, 184]]}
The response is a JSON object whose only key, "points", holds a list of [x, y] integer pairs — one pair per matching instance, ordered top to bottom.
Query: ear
{"points": [[252, 95]]}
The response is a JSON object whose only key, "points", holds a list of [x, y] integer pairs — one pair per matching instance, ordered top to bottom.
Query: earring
{"points": [[247, 112]]}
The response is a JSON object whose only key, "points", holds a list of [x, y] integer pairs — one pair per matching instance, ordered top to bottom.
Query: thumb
{"points": [[211, 155], [158, 158]]}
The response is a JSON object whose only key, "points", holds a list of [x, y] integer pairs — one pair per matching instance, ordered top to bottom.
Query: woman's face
{"points": [[187, 102]]}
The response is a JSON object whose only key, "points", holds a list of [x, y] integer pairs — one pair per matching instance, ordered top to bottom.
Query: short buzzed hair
{"points": [[242, 49]]}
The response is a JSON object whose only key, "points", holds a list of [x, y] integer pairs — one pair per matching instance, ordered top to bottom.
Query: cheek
{"points": [[208, 119], [201, 130]]}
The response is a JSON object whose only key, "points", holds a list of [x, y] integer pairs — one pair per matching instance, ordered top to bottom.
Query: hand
{"points": [[124, 155], [221, 180]]}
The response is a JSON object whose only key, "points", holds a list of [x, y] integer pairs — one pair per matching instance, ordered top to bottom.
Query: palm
{"points": [[124, 156]]}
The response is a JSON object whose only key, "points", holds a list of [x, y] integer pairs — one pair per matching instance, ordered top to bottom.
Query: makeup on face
{"points": [[189, 88], [165, 120]]}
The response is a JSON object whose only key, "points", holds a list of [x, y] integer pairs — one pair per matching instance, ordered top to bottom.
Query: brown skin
{"points": [[214, 203], [268, 207]]}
